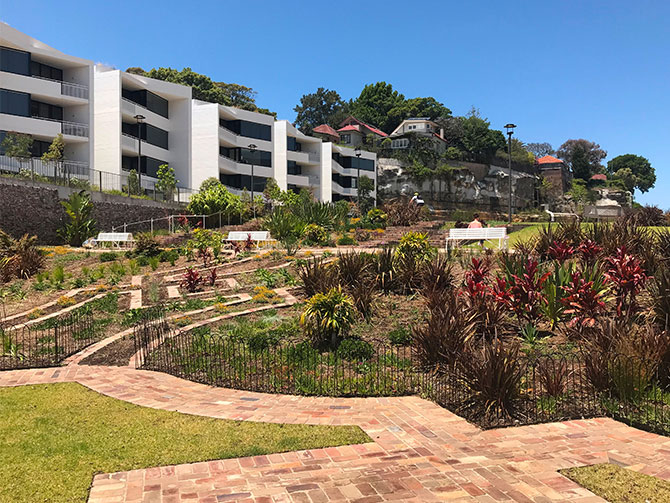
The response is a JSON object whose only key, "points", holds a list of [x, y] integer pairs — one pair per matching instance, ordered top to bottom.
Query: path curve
{"points": [[421, 452]]}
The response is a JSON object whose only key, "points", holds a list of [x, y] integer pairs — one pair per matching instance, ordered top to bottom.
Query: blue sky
{"points": [[558, 69]]}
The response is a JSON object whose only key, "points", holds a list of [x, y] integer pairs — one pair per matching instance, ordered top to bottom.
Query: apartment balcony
{"points": [[56, 92], [129, 109], [40, 127], [232, 139], [130, 146], [228, 165], [44, 168], [303, 180], [345, 191]]}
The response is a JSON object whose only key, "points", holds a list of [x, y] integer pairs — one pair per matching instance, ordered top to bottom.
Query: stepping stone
{"points": [[136, 280], [173, 291], [135, 299]]}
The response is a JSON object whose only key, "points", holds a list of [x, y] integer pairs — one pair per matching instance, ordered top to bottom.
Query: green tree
{"points": [[243, 97], [379, 105], [322, 107], [422, 107], [480, 141], [17, 146], [540, 149], [56, 151], [520, 154], [583, 156], [635, 171], [167, 181], [209, 183], [366, 186], [134, 188], [215, 199], [81, 226]]}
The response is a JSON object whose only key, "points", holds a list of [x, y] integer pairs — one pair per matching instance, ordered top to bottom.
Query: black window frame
{"points": [[9, 61], [147, 99], [9, 103], [248, 129]]}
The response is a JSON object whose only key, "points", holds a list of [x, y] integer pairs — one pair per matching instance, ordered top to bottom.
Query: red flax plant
{"points": [[589, 250], [560, 251], [628, 277], [211, 278], [191, 280], [523, 293], [584, 300], [480, 301]]}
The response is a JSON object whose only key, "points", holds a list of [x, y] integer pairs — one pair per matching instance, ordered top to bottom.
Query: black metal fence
{"points": [[46, 343], [538, 388]]}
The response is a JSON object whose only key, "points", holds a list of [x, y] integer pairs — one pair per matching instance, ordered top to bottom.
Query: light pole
{"points": [[139, 118], [510, 131], [252, 148], [357, 151]]}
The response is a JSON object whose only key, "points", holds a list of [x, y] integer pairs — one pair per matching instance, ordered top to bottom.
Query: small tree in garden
{"points": [[18, 146], [56, 151], [167, 181], [134, 183], [366, 186], [80, 226], [285, 227], [523, 293], [328, 317]]}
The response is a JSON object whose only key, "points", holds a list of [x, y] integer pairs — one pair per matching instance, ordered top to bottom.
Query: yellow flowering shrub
{"points": [[65, 301]]}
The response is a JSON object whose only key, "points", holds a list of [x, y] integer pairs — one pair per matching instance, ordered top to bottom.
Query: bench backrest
{"points": [[483, 233], [244, 235], [115, 236]]}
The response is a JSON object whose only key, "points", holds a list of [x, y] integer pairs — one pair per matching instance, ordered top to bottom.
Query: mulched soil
{"points": [[116, 354]]}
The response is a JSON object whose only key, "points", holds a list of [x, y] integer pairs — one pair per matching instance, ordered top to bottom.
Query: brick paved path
{"points": [[420, 452]]}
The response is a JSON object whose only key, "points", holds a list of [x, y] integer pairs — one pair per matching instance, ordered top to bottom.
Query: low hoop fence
{"points": [[47, 343], [534, 389]]}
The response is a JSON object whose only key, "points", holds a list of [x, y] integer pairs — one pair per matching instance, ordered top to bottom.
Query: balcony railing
{"points": [[68, 88], [67, 127]]}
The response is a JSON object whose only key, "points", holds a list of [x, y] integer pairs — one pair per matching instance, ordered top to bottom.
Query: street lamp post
{"points": [[139, 118], [510, 131], [252, 148], [357, 151]]}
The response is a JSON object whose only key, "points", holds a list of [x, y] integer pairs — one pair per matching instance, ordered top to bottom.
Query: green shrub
{"points": [[377, 218], [81, 226], [315, 235], [345, 240], [146, 244], [108, 256], [169, 256], [142, 261], [153, 262], [328, 316], [400, 336], [354, 349]]}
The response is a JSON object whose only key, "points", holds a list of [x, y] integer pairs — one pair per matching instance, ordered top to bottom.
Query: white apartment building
{"points": [[44, 92], [114, 122], [140, 124], [231, 144]]}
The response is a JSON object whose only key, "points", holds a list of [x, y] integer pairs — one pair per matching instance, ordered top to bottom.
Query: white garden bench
{"points": [[483, 234], [257, 237], [115, 239]]}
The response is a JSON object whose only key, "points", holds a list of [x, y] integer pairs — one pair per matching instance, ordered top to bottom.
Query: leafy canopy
{"points": [[322, 107], [17, 145], [583, 156], [635, 172]]}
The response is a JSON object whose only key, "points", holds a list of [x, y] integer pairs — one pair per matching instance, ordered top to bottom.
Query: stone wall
{"points": [[475, 186], [34, 208]]}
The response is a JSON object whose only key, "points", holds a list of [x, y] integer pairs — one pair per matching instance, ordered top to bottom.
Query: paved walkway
{"points": [[420, 452]]}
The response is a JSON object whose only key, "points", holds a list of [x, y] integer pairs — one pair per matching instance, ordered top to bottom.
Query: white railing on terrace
{"points": [[68, 88], [74, 90], [67, 127], [74, 128]]}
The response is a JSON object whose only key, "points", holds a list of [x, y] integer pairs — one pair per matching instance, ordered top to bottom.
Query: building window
{"points": [[14, 61], [45, 71], [148, 100], [14, 103], [46, 110], [248, 129], [150, 134], [345, 138], [401, 143], [293, 145], [246, 156], [354, 162], [149, 164], [293, 168], [241, 182]]}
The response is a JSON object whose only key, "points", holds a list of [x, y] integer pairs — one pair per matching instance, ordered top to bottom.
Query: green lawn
{"points": [[55, 437], [619, 485]]}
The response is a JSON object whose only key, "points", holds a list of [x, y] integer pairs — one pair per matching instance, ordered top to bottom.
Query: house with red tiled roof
{"points": [[353, 132], [327, 133], [402, 136], [555, 171]]}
